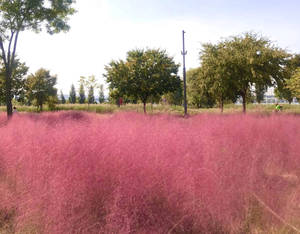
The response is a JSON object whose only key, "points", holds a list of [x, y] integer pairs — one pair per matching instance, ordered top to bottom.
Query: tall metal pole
{"points": [[184, 52]]}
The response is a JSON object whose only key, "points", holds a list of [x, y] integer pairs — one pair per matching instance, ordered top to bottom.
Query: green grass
{"points": [[159, 108]]}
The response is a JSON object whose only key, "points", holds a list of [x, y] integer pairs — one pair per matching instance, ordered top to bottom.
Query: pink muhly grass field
{"points": [[72, 172]]}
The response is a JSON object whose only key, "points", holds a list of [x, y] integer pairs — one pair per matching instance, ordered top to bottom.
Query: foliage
{"points": [[20, 15], [236, 64], [145, 74], [215, 74], [17, 84], [90, 84], [293, 84], [40, 87], [283, 90], [198, 91], [260, 91], [72, 94], [81, 94], [101, 94], [175, 97], [62, 98], [91, 98], [52, 101], [203, 174]]}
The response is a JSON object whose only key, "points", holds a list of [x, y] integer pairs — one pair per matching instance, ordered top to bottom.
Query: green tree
{"points": [[20, 15], [254, 60], [236, 64], [144, 74], [215, 76], [18, 82], [89, 84], [293, 84], [40, 87], [198, 90], [260, 91], [283, 91], [72, 94], [81, 94], [101, 94], [175, 97], [62, 98], [91, 98]]}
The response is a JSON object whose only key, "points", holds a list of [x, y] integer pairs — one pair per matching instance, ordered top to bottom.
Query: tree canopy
{"points": [[232, 67], [144, 74], [18, 81], [293, 84], [40, 87], [283, 89], [199, 93], [72, 94], [101, 94]]}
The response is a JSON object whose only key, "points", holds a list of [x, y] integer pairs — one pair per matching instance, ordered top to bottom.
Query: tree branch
{"points": [[9, 46], [15, 47], [3, 53]]}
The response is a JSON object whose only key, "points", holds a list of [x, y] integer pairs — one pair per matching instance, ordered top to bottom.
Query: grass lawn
{"points": [[158, 108]]}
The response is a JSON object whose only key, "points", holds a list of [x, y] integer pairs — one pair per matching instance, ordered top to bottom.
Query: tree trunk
{"points": [[9, 60], [8, 95], [244, 102], [221, 105], [144, 107]]}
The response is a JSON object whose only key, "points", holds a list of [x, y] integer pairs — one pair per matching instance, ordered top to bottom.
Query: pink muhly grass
{"points": [[72, 172]]}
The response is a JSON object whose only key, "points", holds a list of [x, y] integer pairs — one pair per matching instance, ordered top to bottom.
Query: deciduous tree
{"points": [[17, 16], [251, 59], [232, 67], [144, 74], [17, 83], [293, 84], [40, 87], [199, 93]]}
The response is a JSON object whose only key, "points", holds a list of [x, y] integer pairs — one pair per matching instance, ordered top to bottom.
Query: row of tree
{"points": [[242, 67], [229, 70], [89, 83], [39, 88], [35, 89]]}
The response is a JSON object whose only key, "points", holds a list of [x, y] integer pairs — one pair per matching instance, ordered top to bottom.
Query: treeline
{"points": [[240, 67], [243, 67], [85, 83], [39, 88], [34, 89]]}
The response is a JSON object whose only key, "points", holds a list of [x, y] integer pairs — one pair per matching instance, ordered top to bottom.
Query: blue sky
{"points": [[103, 30]]}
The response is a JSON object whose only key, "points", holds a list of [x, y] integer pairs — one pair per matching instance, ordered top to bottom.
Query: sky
{"points": [[105, 30]]}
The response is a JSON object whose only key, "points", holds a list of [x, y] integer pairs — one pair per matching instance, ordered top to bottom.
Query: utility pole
{"points": [[184, 52]]}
